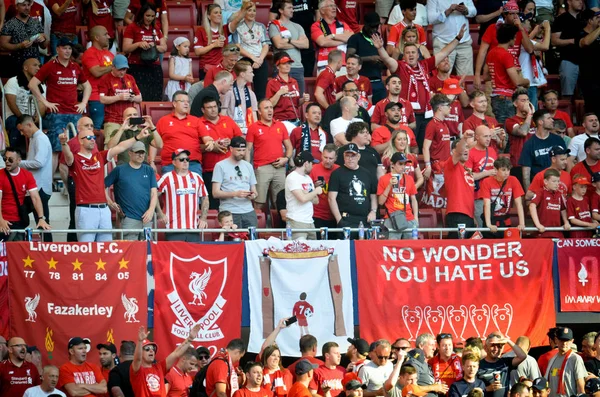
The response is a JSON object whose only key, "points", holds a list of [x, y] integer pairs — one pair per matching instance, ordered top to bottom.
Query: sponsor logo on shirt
{"points": [[184, 191]]}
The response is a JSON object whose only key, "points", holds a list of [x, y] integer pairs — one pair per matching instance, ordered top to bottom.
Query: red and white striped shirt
{"points": [[182, 198]]}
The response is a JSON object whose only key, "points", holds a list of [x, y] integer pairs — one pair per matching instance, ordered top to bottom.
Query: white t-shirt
{"points": [[397, 17], [12, 87], [340, 125], [576, 145], [297, 211], [374, 376], [37, 391]]}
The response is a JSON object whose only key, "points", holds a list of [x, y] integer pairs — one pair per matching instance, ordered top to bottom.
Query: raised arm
{"points": [[180, 350]]}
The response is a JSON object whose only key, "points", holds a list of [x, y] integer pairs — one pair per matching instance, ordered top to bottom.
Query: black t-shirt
{"points": [[484, 8], [304, 13], [569, 28], [364, 48], [589, 60], [369, 159], [354, 188], [281, 204], [593, 366], [486, 373], [119, 377], [462, 387]]}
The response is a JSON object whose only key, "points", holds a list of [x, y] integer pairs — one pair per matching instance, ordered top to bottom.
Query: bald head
{"points": [[97, 31], [130, 112], [85, 126], [483, 136], [524, 343], [17, 349]]}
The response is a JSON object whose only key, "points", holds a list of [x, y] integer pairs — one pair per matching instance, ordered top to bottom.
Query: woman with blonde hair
{"points": [[212, 36], [410, 36], [400, 143]]}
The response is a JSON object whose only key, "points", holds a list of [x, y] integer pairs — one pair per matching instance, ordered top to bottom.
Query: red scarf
{"points": [[418, 76]]}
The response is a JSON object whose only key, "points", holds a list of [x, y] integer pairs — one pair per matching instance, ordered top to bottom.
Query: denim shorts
{"points": [[56, 124]]}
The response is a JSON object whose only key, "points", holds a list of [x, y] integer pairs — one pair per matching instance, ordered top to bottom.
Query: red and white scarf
{"points": [[417, 76]]}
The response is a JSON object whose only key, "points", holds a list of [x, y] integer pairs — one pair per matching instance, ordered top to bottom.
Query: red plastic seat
{"points": [[182, 13], [180, 31], [156, 110]]}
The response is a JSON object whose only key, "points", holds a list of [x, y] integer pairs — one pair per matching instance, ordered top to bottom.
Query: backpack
{"points": [[198, 388]]}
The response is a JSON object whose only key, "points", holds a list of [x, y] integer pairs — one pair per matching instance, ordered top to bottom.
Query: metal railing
{"points": [[367, 233]]}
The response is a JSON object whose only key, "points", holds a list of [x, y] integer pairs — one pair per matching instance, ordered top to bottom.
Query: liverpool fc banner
{"points": [[579, 275], [307, 279], [197, 283], [466, 288], [61, 290]]}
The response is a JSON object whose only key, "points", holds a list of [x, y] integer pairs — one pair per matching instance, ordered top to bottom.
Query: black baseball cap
{"points": [[392, 104], [238, 142], [351, 147], [557, 151], [305, 156], [398, 157], [564, 333], [74, 341], [108, 346], [362, 346], [303, 366], [354, 384], [540, 384], [592, 386]]}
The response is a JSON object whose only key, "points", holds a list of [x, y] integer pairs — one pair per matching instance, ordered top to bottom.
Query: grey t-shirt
{"points": [[294, 31], [226, 174], [574, 369]]}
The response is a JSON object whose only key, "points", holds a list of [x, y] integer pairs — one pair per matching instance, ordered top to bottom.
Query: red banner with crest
{"points": [[579, 275], [197, 283], [466, 288], [91, 290]]}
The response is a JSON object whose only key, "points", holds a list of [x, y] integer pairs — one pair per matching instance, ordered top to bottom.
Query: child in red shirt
{"points": [[595, 199], [548, 208], [578, 208]]}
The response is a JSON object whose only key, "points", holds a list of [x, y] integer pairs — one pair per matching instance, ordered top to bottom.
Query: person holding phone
{"points": [[118, 91], [132, 124]]}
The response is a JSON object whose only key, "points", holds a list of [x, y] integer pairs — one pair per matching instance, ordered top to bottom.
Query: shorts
{"points": [[569, 73], [56, 124], [109, 130], [267, 177], [302, 322]]}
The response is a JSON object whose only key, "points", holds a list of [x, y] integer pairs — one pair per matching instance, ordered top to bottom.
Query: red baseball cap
{"points": [[284, 60], [582, 180], [147, 342]]}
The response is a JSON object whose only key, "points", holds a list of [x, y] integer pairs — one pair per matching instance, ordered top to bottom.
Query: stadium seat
{"points": [[364, 7], [262, 12], [182, 13], [179, 31], [82, 35], [553, 82], [310, 86], [156, 110], [579, 111], [467, 112], [428, 218], [262, 219]]}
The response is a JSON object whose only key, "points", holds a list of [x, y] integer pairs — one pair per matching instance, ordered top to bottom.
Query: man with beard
{"points": [[393, 86], [478, 102], [382, 135], [108, 353], [357, 354], [470, 366], [494, 369], [16, 374], [77, 376], [147, 376], [179, 377], [48, 386], [253, 386]]}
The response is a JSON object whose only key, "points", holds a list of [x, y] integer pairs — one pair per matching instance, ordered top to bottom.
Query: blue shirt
{"points": [[535, 152], [132, 188], [462, 387]]}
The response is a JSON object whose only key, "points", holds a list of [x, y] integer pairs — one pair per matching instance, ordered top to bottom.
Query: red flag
{"points": [[579, 275], [197, 283], [466, 288], [61, 290], [4, 309]]}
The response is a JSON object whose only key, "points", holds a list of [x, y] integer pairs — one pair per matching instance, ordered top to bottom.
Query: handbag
{"points": [[151, 54], [22, 208], [398, 218], [494, 219]]}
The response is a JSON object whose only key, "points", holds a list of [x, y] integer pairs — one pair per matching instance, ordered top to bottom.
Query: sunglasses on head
{"points": [[445, 336]]}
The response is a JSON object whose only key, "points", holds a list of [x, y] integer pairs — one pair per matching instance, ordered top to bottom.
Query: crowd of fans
{"points": [[383, 135], [431, 366]]}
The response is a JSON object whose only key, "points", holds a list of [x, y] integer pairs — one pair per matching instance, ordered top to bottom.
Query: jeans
{"points": [[298, 74], [379, 91], [503, 108], [97, 114], [56, 124], [15, 139], [213, 202]]}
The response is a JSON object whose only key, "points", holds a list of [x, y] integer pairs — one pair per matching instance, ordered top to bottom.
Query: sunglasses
{"points": [[90, 137], [140, 152], [8, 159], [184, 159], [239, 172], [445, 336], [149, 348], [203, 357], [383, 357]]}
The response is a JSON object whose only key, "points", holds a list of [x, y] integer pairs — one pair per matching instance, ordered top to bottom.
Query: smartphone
{"points": [[136, 121], [321, 179], [290, 321]]}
